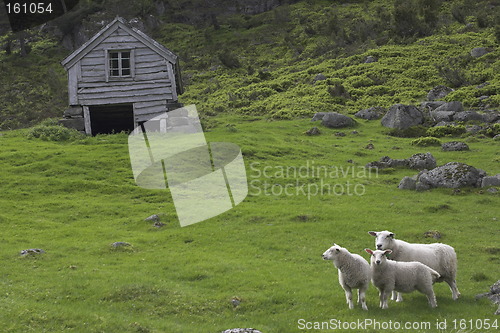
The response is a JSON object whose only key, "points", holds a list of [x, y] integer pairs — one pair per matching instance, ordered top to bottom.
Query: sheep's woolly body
{"points": [[440, 257], [353, 269], [354, 273], [405, 277]]}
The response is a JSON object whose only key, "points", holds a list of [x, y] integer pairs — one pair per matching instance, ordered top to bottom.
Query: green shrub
{"points": [[449, 130], [493, 130], [411, 132], [53, 133], [426, 142]]}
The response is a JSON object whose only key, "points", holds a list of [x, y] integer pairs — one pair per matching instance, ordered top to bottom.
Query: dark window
{"points": [[119, 63]]}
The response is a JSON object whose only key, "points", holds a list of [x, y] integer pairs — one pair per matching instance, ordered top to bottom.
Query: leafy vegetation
{"points": [[426, 142]]}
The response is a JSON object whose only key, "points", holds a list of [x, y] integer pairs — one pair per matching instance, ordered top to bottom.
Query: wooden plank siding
{"points": [[151, 82]]}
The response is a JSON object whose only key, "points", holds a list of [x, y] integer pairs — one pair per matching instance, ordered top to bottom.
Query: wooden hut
{"points": [[119, 79]]}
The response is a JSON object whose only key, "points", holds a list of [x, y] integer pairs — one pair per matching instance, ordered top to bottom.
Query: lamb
{"points": [[440, 257], [354, 273], [390, 275]]}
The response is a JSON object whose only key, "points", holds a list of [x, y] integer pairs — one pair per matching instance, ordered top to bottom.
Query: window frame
{"points": [[109, 68]]}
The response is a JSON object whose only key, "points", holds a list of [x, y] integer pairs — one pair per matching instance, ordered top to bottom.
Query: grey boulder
{"points": [[438, 92], [370, 113], [402, 116], [336, 120], [454, 146], [452, 175]]}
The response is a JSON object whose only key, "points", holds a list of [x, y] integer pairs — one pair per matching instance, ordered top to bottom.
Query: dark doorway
{"points": [[107, 119]]}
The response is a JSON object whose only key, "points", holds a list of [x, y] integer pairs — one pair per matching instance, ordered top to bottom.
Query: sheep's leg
{"points": [[455, 294], [384, 295], [396, 296], [348, 297], [362, 298], [432, 298]]}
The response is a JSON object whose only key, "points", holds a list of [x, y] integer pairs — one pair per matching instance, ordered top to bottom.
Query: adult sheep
{"points": [[438, 256], [354, 273], [390, 275]]}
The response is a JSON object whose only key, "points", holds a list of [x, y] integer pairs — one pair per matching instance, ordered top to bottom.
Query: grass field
{"points": [[73, 199]]}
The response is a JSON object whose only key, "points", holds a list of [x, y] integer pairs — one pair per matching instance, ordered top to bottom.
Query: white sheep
{"points": [[440, 257], [354, 273], [390, 275]]}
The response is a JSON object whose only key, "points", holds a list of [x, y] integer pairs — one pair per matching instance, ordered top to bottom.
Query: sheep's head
{"points": [[383, 239], [333, 252], [378, 257]]}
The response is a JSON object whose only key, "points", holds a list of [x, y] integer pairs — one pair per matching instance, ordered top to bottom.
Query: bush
{"points": [[449, 130], [493, 130], [411, 132], [53, 133], [426, 142]]}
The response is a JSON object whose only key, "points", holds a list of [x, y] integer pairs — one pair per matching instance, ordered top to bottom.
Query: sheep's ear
{"points": [[373, 233], [391, 235], [338, 250], [369, 251], [386, 252]]}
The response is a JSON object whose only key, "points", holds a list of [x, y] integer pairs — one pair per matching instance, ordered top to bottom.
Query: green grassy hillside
{"points": [[74, 198]]}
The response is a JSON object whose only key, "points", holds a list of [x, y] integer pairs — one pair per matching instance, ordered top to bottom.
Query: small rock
{"points": [[478, 52], [370, 59], [319, 77], [482, 85], [438, 92], [431, 105], [454, 106], [370, 113], [318, 116], [467, 116], [491, 116], [336, 120], [446, 123], [473, 128], [313, 131], [354, 132], [340, 134], [496, 137], [370, 146], [454, 146], [422, 161], [491, 181], [408, 183], [492, 190], [154, 217], [158, 224], [432, 234], [120, 244], [32, 252], [493, 295], [235, 301]]}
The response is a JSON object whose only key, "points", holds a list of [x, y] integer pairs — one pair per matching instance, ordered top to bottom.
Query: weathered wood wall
{"points": [[150, 88]]}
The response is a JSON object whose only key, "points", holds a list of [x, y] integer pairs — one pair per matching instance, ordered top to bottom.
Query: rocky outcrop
{"points": [[438, 92], [370, 113], [402, 116], [337, 120], [454, 146], [419, 161], [450, 175]]}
